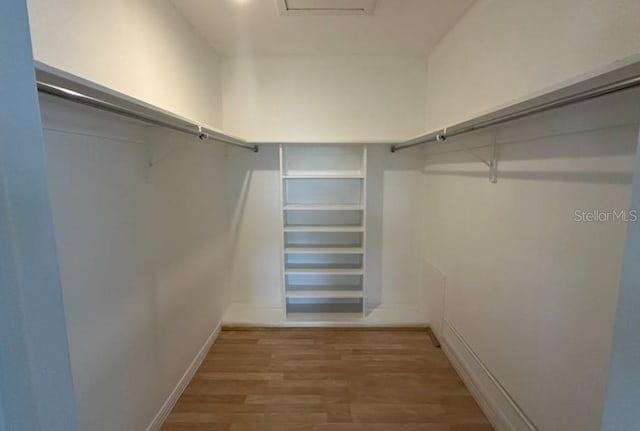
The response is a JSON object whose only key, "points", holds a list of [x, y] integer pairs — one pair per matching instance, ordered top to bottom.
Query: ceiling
{"points": [[256, 27]]}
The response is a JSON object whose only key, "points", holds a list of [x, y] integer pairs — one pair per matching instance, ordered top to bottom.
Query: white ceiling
{"points": [[255, 27]]}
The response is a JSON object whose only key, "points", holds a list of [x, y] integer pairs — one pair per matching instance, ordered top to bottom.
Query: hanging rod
{"points": [[177, 124], [479, 124]]}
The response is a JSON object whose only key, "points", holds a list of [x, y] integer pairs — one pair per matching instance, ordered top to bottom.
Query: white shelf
{"points": [[323, 173], [323, 177], [324, 207], [328, 228], [324, 250], [323, 270], [323, 287], [328, 294], [324, 317]]}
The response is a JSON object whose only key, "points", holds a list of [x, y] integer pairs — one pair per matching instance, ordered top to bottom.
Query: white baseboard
{"points": [[252, 315], [171, 401], [501, 409]]}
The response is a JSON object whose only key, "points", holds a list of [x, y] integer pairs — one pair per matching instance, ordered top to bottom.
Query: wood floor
{"points": [[325, 380]]}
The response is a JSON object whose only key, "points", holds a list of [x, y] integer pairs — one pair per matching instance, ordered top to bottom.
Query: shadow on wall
{"points": [[552, 137], [240, 177], [240, 190], [253, 198], [375, 216], [393, 239], [434, 288]]}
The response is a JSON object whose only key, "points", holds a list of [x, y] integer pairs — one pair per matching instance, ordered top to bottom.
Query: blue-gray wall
{"points": [[37, 389], [622, 409]]}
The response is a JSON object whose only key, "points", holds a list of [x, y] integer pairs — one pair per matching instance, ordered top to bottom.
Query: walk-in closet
{"points": [[319, 215]]}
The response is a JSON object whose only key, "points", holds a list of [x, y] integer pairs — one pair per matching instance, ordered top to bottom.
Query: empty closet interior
{"points": [[467, 166]]}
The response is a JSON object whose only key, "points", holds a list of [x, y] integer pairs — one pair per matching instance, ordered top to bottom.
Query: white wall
{"points": [[142, 48], [502, 50], [284, 99], [323, 99], [253, 200], [393, 240], [393, 254], [143, 257], [530, 290], [529, 294]]}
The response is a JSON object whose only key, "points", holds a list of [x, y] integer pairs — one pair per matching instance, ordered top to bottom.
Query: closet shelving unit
{"points": [[323, 213]]}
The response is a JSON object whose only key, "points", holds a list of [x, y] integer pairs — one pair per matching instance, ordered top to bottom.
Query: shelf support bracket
{"points": [[493, 164]]}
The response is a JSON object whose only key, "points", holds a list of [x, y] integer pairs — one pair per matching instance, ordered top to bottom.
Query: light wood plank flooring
{"points": [[325, 380]]}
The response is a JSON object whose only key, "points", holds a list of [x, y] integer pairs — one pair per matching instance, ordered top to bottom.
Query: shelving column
{"points": [[323, 209]]}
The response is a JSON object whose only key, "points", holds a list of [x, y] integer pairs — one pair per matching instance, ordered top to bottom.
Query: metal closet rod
{"points": [[584, 96], [190, 129]]}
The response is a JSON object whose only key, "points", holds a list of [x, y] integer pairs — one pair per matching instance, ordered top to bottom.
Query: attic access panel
{"points": [[326, 7]]}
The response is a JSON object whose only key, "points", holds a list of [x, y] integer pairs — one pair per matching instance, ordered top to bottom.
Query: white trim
{"points": [[362, 7], [363, 222], [283, 260], [247, 315], [355, 324], [172, 399], [501, 409]]}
